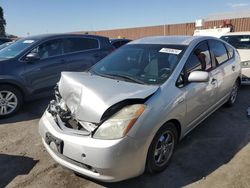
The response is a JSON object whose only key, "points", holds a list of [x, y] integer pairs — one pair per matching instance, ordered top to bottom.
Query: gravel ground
{"points": [[215, 154]]}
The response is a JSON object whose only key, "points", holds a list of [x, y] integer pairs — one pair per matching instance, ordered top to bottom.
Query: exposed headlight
{"points": [[245, 64], [63, 105], [120, 123]]}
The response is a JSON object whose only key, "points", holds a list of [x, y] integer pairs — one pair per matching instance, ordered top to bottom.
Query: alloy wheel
{"points": [[8, 102], [164, 148]]}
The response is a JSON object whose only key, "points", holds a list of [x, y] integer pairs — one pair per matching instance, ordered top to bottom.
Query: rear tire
{"points": [[233, 95], [11, 100], [161, 149]]}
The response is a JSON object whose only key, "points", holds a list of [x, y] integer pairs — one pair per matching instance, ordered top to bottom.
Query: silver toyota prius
{"points": [[128, 112]]}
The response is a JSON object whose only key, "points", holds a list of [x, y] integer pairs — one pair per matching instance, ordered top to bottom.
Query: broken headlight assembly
{"points": [[59, 107], [118, 125]]}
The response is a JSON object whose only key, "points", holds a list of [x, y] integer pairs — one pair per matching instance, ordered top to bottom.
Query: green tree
{"points": [[2, 23]]}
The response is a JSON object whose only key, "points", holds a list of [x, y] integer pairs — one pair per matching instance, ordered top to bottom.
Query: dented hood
{"points": [[89, 96]]}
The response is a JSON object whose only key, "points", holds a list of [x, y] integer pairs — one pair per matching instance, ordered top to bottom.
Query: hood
{"points": [[244, 54], [3, 59], [6, 66], [89, 96]]}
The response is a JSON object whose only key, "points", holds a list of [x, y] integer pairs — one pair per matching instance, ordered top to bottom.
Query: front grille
{"points": [[65, 121]]}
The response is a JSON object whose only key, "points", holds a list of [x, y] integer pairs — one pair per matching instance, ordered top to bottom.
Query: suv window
{"points": [[238, 41], [79, 44], [49, 49], [219, 51], [199, 59]]}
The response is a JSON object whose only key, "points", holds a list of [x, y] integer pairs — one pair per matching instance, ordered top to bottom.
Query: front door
{"points": [[42, 74], [200, 97]]}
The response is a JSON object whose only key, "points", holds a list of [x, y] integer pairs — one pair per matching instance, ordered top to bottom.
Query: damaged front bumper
{"points": [[105, 160]]}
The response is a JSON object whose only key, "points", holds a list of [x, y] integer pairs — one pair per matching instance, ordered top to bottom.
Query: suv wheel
{"points": [[233, 95], [10, 100], [161, 148]]}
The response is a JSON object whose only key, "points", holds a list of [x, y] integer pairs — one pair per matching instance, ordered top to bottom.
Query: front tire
{"points": [[10, 100], [161, 149]]}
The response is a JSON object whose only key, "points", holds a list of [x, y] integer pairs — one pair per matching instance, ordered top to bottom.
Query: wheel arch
{"points": [[239, 80], [16, 86], [177, 125]]}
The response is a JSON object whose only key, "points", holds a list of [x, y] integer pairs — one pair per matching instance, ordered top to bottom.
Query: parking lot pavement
{"points": [[215, 154]]}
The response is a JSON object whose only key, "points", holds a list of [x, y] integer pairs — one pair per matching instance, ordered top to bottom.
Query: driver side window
{"points": [[48, 49], [199, 59]]}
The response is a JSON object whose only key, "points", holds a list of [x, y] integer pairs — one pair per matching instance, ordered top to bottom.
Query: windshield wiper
{"points": [[126, 77]]}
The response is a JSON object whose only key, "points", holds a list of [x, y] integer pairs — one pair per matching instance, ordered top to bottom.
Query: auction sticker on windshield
{"points": [[28, 41], [170, 51]]}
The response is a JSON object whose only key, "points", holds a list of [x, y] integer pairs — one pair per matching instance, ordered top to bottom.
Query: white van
{"points": [[241, 41]]}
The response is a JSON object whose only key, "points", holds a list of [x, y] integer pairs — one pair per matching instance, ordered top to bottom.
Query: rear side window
{"points": [[79, 44], [219, 51], [230, 51], [199, 59]]}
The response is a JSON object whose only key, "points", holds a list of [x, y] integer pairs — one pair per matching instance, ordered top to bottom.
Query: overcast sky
{"points": [[53, 16]]}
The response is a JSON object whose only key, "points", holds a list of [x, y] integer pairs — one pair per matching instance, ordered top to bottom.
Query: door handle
{"points": [[233, 68], [213, 81], [180, 100]]}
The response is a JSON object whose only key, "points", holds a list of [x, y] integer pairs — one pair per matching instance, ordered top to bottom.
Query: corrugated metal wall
{"points": [[240, 24]]}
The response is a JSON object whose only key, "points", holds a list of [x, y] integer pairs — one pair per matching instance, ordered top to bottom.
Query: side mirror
{"points": [[31, 57], [198, 76]]}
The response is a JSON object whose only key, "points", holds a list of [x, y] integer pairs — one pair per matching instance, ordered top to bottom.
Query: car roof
{"points": [[237, 33], [47, 36], [115, 39], [175, 40]]}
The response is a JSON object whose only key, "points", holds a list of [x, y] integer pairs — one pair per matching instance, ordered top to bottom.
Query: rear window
{"points": [[238, 41], [79, 44]]}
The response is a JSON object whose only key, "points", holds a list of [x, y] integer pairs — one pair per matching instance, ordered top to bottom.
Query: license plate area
{"points": [[54, 143]]}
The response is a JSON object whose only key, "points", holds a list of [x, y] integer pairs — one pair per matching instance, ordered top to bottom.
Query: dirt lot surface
{"points": [[215, 154]]}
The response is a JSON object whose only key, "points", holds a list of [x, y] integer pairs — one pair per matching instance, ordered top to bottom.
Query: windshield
{"points": [[238, 41], [5, 44], [15, 49], [141, 63]]}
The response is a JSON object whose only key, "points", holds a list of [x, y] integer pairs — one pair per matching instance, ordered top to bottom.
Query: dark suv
{"points": [[31, 67]]}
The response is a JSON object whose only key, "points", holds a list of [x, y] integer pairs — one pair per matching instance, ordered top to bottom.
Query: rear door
{"points": [[81, 53], [226, 68], [200, 97]]}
